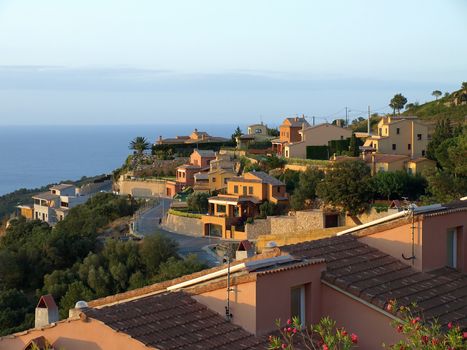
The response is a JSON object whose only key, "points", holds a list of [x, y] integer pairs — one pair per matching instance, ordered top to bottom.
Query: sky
{"points": [[210, 61]]}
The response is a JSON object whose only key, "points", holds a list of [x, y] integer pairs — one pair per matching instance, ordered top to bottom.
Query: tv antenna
{"points": [[411, 212], [228, 314]]}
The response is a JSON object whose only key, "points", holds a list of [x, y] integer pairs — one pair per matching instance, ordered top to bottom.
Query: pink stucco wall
{"points": [[435, 239], [398, 241], [430, 241], [273, 295], [242, 304], [372, 327]]}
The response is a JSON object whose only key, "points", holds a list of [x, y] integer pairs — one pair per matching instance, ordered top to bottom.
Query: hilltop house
{"points": [[255, 133], [289, 133], [317, 135], [399, 135], [195, 137], [400, 144], [53, 206], [228, 212], [419, 258]]}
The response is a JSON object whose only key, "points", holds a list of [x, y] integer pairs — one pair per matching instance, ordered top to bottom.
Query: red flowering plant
{"points": [[423, 335], [322, 336]]}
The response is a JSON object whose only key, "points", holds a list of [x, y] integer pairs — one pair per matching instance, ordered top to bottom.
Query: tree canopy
{"points": [[397, 103], [347, 185]]}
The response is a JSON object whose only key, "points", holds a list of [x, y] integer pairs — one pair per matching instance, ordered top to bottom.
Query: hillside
{"points": [[453, 105]]}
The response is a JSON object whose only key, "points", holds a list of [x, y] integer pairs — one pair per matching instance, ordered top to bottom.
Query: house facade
{"points": [[289, 132], [255, 133], [318, 135], [399, 135], [197, 136], [199, 162], [221, 169], [53, 206], [228, 212]]}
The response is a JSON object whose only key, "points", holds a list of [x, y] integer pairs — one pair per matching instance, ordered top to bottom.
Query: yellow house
{"points": [[317, 135], [399, 135], [391, 162], [228, 212]]}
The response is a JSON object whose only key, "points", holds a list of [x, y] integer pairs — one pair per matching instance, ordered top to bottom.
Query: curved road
{"points": [[148, 224]]}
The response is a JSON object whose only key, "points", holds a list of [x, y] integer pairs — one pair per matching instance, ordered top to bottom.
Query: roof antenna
{"points": [[410, 211], [228, 314]]}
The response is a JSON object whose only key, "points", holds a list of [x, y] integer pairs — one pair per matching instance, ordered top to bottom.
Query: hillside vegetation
{"points": [[451, 105]]}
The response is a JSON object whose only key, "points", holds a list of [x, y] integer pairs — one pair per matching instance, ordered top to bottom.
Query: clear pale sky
{"points": [[151, 61]]}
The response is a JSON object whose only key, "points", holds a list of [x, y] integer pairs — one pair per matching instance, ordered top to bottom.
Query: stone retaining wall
{"points": [[183, 225]]}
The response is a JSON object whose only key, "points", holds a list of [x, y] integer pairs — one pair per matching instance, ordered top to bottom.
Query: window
{"points": [[258, 131], [380, 131], [385, 131], [398, 131], [342, 137], [419, 137], [393, 146], [409, 146], [423, 153], [214, 179], [225, 181], [235, 188], [245, 190], [250, 190], [64, 204], [221, 208], [236, 211], [452, 248], [297, 303]]}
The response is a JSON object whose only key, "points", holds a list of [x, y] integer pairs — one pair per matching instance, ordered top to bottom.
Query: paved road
{"points": [[148, 224]]}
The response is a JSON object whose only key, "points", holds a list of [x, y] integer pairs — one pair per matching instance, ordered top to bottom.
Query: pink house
{"points": [[199, 162]]}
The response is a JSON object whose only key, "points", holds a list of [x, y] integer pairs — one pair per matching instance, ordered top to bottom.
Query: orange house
{"points": [[289, 133], [228, 212]]}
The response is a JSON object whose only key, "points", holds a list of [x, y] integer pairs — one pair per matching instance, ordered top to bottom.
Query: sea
{"points": [[34, 156]]}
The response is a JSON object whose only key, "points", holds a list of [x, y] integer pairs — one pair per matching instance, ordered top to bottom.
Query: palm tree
{"points": [[139, 144]]}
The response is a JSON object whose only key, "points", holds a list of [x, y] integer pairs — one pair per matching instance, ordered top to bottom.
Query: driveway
{"points": [[148, 224]]}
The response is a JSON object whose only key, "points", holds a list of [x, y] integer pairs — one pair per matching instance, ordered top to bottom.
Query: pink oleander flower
{"points": [[354, 338]]}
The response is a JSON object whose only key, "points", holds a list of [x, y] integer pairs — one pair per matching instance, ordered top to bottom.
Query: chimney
{"points": [[296, 119], [46, 311], [76, 311]]}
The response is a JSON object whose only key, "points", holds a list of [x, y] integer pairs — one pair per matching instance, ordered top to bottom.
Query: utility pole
{"points": [[369, 116], [346, 117], [313, 120]]}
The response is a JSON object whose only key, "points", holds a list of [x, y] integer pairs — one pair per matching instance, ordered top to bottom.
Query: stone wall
{"points": [[370, 215], [302, 221], [183, 225], [259, 227]]}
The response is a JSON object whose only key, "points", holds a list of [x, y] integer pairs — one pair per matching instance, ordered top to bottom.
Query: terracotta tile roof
{"points": [[298, 122], [205, 153], [387, 158], [266, 178], [377, 277], [47, 301], [175, 321]]}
